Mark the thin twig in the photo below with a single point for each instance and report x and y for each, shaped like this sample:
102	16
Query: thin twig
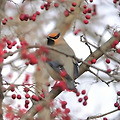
99	116
97	76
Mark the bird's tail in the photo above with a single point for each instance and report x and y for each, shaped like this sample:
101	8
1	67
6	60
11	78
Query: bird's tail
70	83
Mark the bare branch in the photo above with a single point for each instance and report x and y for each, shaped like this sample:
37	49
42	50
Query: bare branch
102	115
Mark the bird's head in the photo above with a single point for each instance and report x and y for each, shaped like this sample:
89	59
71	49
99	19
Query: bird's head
53	38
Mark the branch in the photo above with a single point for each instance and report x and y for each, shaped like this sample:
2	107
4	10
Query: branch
98	76
99	116
97	54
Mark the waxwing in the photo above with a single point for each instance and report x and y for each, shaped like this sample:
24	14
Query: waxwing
60	62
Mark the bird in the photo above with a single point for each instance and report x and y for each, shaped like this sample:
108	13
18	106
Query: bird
59	62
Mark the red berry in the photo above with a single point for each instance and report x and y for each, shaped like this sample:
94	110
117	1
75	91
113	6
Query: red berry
116	34
26	106
42	95
63	103
105	118
115	1
12	85
108	70
9	46
42	7
86	97
14	43
107	61
74	4
5	51
83	92
93	60
8	42
27	77
47	5
36	98
80	99
116	104
118	50
86	21
5	19
27	63
87	16
22	16
91	0
71	9
12	89
27	96
119	107
58	110
4	22
26	17
85	11
33	18
66	13
18	96
85	6
118	93
11	18
89	62
37	13
114	43
18	46
34	14
77	93
26	89
56	5
85	103
13	96
89	10
27	101
67	110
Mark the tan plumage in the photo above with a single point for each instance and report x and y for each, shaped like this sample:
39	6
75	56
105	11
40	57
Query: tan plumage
57	42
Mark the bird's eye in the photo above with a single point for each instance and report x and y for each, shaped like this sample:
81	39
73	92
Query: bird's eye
50	41
55	37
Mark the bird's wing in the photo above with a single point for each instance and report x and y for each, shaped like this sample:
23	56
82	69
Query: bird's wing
76	69
56	66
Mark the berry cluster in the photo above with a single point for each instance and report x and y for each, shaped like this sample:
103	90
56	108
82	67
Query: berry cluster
61	112
93	61
88	12
14	114
117	104
26	17
27	94
5	20
83	99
